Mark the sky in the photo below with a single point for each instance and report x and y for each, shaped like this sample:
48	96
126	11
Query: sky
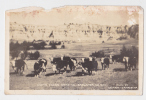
102	15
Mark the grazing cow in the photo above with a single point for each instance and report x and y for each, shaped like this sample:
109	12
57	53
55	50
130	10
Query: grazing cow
71	61
89	64
62	64
20	64
106	63
59	63
37	68
40	66
43	63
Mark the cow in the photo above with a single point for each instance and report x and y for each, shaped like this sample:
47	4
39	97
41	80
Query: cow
37	68
59	63
62	64
102	62
43	62
20	65
71	61
40	66
89	64
130	62
106	63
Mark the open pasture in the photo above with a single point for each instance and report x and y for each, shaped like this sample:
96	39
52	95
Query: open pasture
114	78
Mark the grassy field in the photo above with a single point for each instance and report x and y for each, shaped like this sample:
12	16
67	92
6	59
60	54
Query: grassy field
113	78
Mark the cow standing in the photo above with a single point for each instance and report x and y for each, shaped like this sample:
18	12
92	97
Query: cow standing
20	65
102	62
37	68
40	66
71	61
89	64
43	63
59	63
106	63
126	62
130	62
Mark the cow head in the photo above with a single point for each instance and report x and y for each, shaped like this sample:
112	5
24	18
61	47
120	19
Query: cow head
90	58
83	59
61	58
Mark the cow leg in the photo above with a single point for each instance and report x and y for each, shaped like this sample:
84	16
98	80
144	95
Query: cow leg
102	66
37	75
70	68
126	67
65	68
17	70
108	66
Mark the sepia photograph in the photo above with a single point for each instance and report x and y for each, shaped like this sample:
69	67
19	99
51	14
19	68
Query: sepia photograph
83	49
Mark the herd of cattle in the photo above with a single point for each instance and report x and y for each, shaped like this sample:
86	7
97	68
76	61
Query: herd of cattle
86	64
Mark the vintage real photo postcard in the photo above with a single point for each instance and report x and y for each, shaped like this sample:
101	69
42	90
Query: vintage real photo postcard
74	50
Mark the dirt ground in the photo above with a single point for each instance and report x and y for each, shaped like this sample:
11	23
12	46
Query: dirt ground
115	78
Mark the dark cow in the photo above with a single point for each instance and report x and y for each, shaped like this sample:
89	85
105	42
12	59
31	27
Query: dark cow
37	68
71	61
62	64
132	62
117	58
59	63
55	60
20	64
106	63
90	64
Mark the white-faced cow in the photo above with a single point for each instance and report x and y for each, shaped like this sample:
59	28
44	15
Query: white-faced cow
59	63
40	66
130	62
89	64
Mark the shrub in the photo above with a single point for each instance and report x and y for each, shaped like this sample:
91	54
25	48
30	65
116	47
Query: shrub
16	48
63	46
132	52
34	56
133	31
98	54
53	46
